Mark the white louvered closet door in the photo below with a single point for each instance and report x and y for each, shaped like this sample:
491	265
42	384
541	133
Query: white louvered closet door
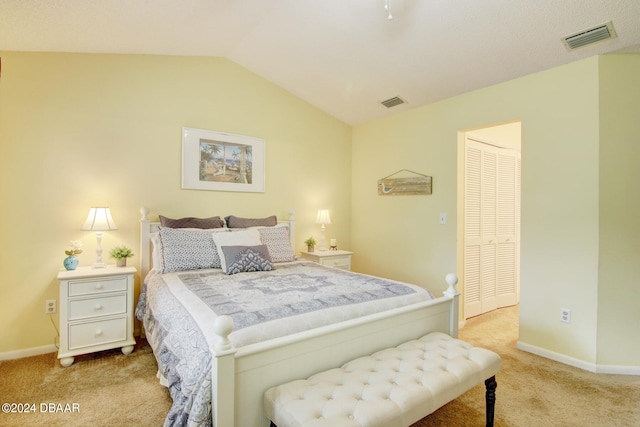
492	228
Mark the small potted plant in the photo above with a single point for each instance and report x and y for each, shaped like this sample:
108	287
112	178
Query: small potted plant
120	254
310	242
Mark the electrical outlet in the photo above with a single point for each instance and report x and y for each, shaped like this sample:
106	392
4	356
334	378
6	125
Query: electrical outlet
565	315
443	218
50	306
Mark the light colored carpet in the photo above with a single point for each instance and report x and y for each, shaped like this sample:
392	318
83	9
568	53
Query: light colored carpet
113	389
534	391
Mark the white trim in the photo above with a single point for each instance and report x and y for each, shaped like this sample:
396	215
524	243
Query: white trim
28	352
618	369
37	351
562	358
571	361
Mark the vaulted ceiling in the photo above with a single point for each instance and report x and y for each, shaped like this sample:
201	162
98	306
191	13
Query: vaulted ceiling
343	56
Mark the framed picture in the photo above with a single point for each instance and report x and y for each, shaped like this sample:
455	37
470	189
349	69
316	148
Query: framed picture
222	161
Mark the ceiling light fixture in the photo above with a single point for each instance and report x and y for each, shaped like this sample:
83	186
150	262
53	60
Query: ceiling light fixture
387	9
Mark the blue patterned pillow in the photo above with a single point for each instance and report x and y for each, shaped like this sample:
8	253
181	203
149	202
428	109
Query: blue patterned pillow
242	259
184	249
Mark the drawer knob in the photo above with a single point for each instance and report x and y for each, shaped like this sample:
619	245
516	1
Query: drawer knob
98	307
98	332
99	286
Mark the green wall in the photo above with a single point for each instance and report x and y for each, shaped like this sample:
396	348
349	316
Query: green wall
79	130
566	184
619	266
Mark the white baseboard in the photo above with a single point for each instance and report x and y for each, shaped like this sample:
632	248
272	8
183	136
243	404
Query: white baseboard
571	361
618	370
27	352
36	351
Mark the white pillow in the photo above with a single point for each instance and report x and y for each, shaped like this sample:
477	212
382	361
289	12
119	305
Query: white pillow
244	237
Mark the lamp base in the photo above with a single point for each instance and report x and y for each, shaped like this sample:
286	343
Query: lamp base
99	263
323	242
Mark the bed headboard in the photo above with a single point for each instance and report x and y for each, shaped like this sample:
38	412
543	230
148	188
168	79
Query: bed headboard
147	227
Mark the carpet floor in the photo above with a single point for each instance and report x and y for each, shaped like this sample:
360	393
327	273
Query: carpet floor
108	388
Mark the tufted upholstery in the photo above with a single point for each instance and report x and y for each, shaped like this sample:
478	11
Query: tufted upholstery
393	387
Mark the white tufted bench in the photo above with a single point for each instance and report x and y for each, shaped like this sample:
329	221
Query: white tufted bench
393	387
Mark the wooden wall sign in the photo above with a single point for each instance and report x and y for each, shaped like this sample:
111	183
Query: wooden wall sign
415	185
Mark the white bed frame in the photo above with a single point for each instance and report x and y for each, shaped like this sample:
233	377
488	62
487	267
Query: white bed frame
241	376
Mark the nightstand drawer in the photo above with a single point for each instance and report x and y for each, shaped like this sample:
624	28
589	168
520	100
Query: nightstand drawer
92	307
336	259
337	262
93	286
95	333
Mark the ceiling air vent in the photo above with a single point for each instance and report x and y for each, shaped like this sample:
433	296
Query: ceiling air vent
592	35
392	102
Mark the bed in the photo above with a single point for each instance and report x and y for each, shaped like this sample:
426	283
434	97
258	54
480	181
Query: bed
218	343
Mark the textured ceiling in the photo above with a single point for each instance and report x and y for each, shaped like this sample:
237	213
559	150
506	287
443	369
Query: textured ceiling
342	56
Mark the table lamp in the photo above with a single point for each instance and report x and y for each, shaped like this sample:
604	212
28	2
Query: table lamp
99	220
323	219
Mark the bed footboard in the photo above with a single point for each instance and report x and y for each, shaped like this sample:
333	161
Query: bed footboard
223	375
241	376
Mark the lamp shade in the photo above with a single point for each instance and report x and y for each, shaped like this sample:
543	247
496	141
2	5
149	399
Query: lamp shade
323	217
99	219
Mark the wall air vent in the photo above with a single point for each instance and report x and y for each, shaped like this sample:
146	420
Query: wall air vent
392	102
592	35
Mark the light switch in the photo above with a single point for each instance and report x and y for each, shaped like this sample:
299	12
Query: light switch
443	218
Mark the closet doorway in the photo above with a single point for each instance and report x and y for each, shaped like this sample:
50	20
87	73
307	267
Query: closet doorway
491	164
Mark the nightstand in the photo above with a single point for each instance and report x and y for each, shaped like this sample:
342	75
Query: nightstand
337	259
96	311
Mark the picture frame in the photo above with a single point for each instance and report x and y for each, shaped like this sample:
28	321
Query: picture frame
222	161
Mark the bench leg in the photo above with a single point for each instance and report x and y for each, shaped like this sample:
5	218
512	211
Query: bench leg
491	385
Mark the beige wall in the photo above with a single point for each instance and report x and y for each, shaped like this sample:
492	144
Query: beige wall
561	201
619	271
79	130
